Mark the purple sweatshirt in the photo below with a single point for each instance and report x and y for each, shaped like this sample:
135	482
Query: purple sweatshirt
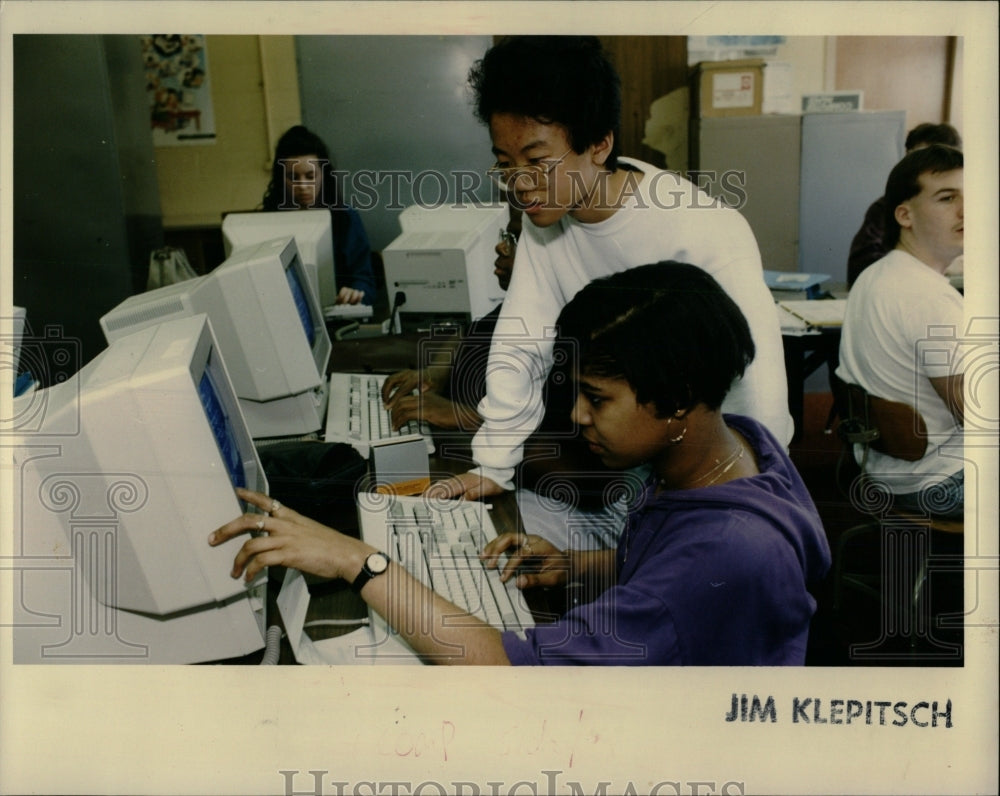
715	576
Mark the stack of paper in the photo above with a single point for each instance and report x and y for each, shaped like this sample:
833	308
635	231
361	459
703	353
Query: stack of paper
822	313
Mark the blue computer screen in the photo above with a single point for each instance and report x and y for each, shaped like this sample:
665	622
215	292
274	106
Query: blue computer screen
301	303
224	438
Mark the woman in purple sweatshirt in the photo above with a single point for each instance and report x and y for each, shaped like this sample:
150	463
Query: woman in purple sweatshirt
721	545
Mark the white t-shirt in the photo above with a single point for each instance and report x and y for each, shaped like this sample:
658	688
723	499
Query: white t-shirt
667	218
903	326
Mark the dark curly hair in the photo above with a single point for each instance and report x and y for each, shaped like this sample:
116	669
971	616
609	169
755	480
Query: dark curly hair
668	329
566	80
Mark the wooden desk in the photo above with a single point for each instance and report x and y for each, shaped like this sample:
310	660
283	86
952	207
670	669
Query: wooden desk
385	354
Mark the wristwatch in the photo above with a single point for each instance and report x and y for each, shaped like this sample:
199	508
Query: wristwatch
375	564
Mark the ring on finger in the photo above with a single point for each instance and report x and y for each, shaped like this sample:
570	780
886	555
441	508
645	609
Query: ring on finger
260	525
275	505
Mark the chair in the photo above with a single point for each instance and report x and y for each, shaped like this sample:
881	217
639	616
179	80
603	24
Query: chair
895	429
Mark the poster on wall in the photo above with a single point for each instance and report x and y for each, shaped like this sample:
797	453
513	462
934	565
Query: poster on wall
178	88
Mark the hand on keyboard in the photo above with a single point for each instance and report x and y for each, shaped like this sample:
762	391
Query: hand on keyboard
535	561
428	407
350	295
347	312
404	382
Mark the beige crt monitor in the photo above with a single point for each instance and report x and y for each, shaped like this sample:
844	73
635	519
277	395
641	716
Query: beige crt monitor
121	472
313	234
270	330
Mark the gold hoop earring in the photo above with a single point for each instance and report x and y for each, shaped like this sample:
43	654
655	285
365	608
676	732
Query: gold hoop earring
676	440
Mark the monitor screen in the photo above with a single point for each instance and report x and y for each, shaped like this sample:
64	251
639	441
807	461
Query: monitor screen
294	278
145	445
222	429
270	330
312	230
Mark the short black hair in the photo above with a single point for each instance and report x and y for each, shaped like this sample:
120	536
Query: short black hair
668	329
928	133
566	80
904	181
295	142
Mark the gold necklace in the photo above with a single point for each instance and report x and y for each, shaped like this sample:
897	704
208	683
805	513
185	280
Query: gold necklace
719	469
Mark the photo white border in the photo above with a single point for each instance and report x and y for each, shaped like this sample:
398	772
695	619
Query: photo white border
222	730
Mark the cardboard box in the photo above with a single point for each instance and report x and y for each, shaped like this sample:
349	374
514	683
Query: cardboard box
727	88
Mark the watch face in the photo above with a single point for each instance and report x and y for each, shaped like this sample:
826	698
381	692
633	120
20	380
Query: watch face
377	563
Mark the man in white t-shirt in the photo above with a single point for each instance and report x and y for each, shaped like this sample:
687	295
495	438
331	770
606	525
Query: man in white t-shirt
902	334
552	104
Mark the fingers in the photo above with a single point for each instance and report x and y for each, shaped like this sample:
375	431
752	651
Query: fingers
258	499
348	295
517	546
404	409
252	557
399	384
545	577
250	522
243	524
490	555
391	384
496	546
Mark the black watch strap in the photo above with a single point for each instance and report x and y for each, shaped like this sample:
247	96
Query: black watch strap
375	564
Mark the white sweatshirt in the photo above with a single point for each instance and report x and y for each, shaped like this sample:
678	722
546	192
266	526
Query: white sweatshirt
667	218
904	326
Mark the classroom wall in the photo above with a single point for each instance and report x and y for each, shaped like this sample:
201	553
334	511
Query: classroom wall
924	74
398	106
399	103
86	201
808	57
255	98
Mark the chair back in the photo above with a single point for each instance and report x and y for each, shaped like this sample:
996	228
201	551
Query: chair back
890	427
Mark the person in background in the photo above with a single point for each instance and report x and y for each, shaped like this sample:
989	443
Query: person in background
902	333
553	106
719	552
303	177
868	245
448	394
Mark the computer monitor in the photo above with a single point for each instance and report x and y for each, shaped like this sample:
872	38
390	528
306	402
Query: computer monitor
443	262
270	330
121	472
313	235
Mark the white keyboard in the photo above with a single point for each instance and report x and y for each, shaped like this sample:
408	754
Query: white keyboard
351	312
356	415
438	542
